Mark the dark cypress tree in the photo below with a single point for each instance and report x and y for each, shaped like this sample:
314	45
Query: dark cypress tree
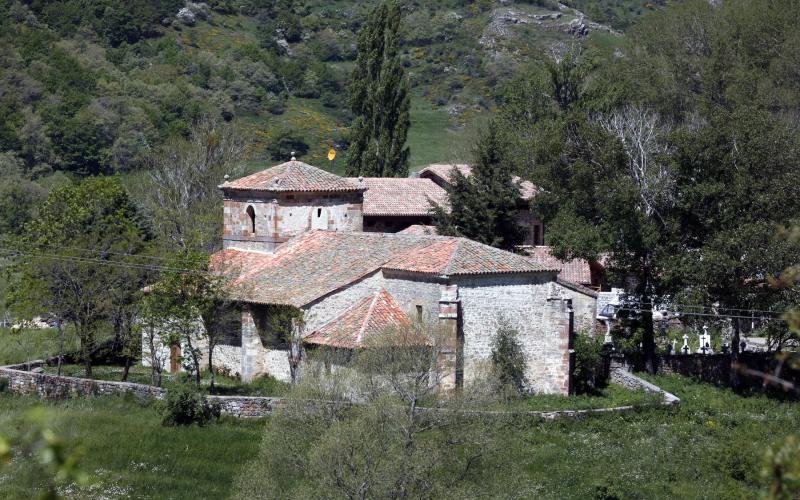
379	99
483	205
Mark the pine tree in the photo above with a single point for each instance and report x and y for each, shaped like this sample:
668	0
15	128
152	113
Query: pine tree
379	98
483	205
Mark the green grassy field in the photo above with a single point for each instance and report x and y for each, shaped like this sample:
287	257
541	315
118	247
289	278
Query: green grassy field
712	446
128	453
32	344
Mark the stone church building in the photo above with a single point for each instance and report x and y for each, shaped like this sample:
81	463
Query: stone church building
332	247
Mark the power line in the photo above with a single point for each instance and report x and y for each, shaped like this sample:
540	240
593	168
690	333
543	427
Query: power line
727	308
138	256
754	312
692	313
87	260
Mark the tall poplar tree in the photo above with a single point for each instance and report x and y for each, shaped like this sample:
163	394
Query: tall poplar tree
379	98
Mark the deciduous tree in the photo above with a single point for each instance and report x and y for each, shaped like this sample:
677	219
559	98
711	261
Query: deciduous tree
79	256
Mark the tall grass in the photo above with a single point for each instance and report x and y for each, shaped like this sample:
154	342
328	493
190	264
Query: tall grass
128	454
26	345
711	446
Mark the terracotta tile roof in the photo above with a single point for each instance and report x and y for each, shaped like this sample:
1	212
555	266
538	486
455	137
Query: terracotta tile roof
375	314
293	176
444	170
575	270
317	263
400	196
420	230
578	288
527	189
459	256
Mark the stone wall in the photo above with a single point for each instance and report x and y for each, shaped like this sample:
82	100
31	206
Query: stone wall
245	407
228	358
534	304
393	224
21	381
51	386
529	306
533	228
584	305
718	369
281	216
257	360
409	290
620	375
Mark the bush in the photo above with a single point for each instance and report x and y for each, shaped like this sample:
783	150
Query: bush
508	361
185	405
4	383
782	468
282	145
590	373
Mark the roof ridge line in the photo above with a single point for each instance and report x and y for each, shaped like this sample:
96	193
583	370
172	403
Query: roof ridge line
368	315
449	269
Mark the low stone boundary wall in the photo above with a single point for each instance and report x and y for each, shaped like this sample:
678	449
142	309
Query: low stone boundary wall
623	377
756	371
22	381
246	406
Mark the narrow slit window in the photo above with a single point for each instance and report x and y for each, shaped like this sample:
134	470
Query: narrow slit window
319	212
251	214
419	312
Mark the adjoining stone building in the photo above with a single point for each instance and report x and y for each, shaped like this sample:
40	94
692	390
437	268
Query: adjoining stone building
533	227
294	238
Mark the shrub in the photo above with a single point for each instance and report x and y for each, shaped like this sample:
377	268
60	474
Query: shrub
508	361
4	383
282	145
185	405
590	373
782	468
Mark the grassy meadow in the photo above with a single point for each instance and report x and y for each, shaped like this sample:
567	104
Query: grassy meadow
711	446
33	344
128	454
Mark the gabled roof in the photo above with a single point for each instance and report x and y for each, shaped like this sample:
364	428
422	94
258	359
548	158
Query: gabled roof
443	171
400	196
293	176
420	230
317	263
373	315
449	256
576	270
527	190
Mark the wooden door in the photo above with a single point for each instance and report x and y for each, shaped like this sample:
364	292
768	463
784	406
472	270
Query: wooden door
174	358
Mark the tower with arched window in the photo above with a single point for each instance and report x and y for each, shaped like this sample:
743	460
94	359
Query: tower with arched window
269	207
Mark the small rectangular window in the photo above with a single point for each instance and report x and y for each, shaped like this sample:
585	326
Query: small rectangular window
419	312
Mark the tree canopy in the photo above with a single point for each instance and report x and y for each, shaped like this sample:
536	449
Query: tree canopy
379	99
483	205
74	260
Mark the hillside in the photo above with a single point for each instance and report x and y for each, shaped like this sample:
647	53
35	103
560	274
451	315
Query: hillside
91	87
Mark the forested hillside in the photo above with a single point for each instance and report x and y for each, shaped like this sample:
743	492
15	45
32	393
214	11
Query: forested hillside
92	86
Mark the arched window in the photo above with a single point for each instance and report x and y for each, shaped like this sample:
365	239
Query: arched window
251	214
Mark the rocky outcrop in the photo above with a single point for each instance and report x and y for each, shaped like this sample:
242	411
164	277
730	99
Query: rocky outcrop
190	13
